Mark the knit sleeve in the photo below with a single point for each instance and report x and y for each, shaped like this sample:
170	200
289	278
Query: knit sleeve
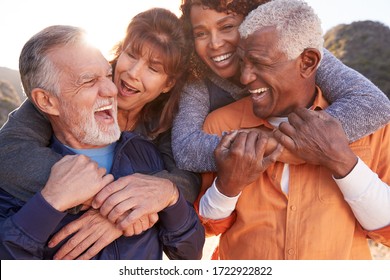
188	182
25	159
355	101
193	149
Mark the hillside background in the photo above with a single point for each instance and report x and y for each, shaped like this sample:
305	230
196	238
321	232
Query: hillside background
363	46
11	93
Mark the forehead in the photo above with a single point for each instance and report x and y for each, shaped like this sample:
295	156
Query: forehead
79	59
202	15
263	40
147	49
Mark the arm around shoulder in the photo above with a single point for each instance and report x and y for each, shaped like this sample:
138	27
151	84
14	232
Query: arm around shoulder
188	182
192	147
356	102
23	144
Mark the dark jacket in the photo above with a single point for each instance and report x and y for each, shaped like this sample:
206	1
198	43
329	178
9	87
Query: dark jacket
25	228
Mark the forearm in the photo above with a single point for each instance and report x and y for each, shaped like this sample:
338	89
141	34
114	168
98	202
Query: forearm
355	101
181	232
188	182
367	195
193	148
24	234
25	159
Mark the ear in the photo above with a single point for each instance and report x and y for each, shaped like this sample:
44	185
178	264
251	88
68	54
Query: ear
310	59
45	101
170	84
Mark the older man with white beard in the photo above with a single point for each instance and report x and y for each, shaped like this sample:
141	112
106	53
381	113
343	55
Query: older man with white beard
71	83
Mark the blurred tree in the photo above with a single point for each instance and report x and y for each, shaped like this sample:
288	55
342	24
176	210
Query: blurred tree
365	47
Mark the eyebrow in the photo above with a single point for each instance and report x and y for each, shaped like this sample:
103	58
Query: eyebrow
225	19
156	62
91	75
222	20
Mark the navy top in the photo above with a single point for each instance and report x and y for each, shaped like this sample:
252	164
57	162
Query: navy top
25	228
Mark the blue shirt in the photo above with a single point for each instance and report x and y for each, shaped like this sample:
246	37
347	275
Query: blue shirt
103	156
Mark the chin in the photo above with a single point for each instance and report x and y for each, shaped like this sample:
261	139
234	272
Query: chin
261	113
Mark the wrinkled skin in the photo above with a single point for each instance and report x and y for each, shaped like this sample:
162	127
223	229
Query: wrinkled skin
319	139
240	160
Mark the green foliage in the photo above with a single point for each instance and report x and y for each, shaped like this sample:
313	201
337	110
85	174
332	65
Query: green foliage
363	46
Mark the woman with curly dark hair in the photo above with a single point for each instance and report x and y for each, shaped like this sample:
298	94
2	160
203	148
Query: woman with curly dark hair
212	27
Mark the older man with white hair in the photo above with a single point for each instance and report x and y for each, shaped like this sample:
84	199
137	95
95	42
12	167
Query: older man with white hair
323	208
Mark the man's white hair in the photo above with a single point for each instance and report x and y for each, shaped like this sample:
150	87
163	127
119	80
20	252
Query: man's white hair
297	24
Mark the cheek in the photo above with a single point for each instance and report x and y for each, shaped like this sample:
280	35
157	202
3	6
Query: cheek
235	39
153	87
153	92
120	64
117	75
123	64
200	49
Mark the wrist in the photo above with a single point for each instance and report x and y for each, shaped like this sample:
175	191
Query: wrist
343	168
53	200
174	195
224	188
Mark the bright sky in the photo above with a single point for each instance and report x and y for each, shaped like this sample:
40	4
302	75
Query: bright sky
106	20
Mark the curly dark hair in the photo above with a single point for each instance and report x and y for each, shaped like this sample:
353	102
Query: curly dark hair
242	7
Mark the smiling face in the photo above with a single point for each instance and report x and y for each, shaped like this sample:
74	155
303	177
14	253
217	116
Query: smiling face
140	77
275	82
86	109
216	38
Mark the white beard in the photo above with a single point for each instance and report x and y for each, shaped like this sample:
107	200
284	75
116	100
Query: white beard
83	125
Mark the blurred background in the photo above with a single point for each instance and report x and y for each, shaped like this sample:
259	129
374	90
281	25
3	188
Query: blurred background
355	31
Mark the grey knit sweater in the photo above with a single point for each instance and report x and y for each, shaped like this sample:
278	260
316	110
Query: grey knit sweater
359	105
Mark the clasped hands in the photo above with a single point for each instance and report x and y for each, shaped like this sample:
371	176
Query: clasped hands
127	206
309	136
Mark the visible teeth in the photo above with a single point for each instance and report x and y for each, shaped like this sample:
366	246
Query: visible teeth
222	57
108	107
129	87
258	90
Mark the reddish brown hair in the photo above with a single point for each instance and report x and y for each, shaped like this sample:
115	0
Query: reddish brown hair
161	31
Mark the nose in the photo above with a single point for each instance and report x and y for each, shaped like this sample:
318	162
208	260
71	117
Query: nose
108	88
134	70
247	75
216	40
